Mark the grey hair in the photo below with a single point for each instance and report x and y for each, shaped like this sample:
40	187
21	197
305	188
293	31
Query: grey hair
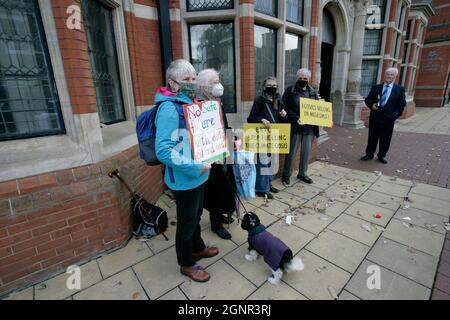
178	69
204	78
392	70
304	71
269	78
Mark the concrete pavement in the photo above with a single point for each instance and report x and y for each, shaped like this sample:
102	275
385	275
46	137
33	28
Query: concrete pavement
334	230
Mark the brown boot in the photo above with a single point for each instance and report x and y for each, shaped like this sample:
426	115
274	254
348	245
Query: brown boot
208	252
196	273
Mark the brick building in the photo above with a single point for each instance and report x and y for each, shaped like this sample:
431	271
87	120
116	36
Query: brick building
433	88
74	74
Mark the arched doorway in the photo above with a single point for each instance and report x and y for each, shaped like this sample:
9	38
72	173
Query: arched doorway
326	54
334	51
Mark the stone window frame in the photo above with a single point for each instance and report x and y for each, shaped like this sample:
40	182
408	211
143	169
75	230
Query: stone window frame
86	140
384	27
283	26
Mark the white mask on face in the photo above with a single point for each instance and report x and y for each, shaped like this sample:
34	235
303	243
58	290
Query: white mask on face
217	90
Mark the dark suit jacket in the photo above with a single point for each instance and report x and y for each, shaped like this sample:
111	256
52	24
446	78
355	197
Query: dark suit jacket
394	106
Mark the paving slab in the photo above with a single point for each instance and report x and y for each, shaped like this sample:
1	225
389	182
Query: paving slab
27	294
367	212
321	182
304	191
134	252
279	292
312	221
327	205
275	208
122	286
410	263
56	288
338	249
397	181
225	284
392	286
160	273
256	272
345	295
419	238
381	199
365	176
422	219
355	185
355	228
429	204
432	191
330	174
315	285
175	294
289	199
391	189
341	194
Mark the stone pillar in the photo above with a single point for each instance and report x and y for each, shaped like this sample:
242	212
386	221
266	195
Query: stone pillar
354	102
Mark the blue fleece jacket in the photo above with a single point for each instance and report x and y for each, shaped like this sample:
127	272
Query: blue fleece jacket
173	146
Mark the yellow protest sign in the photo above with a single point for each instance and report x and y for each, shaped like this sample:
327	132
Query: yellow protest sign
315	112
258	139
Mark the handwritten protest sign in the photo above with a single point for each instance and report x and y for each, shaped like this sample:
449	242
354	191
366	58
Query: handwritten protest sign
206	129
258	139
315	112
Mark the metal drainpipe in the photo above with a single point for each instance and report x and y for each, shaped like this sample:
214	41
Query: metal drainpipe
165	34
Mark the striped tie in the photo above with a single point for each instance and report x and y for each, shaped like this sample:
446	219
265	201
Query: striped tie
384	96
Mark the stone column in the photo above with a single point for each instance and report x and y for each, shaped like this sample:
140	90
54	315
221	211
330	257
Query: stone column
354	102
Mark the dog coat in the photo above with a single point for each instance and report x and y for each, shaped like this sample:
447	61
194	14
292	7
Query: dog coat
269	246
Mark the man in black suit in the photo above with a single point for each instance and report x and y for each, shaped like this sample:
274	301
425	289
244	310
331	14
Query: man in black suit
386	102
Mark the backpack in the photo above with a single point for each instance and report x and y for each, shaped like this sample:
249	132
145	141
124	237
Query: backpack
146	133
146	215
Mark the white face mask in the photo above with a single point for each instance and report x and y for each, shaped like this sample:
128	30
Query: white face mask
217	90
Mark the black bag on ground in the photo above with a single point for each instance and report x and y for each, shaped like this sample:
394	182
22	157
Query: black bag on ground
146	215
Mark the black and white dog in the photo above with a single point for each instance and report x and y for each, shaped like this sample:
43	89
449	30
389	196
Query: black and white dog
276	254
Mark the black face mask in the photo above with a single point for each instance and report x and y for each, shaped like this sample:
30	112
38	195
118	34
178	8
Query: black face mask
302	83
270	91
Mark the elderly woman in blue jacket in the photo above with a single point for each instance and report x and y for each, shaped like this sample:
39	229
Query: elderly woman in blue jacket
183	175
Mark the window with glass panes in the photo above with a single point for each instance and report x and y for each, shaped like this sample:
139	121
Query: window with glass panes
269	7
200	5
378	8
265	55
98	22
293	58
372	41
369	75
294	11
29	104
212	46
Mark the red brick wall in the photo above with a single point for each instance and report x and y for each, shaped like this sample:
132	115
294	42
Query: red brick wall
313	41
434	61
145	57
57	219
177	42
246	44
75	56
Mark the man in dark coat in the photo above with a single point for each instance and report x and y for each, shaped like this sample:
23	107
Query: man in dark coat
386	102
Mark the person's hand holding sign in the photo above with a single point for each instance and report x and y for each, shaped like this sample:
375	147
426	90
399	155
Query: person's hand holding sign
283	113
206	167
299	121
266	123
